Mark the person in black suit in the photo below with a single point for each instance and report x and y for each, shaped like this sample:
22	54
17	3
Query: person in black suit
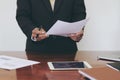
31	14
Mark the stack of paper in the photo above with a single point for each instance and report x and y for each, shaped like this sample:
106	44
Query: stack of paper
109	58
62	28
7	62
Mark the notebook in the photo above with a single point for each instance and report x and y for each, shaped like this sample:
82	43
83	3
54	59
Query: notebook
115	65
101	73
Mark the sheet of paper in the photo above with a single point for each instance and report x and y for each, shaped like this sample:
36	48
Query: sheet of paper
62	28
109	58
8	62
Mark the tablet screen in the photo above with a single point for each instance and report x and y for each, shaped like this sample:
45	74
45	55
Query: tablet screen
68	64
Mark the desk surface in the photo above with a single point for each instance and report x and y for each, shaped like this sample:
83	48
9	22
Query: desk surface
42	72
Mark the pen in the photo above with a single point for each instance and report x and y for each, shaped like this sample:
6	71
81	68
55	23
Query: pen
37	35
40	29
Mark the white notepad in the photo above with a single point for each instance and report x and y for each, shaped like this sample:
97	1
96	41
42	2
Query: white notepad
10	63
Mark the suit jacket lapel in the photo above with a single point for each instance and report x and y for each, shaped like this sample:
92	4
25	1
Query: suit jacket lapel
57	5
47	4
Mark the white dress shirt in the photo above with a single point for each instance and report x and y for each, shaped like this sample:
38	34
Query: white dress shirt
52	2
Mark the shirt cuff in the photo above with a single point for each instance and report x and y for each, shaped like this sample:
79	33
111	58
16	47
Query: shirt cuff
33	39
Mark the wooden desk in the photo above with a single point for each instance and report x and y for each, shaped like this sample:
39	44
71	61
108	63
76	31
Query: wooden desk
39	71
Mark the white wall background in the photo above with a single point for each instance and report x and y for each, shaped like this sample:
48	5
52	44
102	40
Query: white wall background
102	32
103	29
11	37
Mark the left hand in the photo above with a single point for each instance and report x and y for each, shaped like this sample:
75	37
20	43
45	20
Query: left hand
77	36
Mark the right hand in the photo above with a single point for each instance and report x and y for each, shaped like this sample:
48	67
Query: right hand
39	34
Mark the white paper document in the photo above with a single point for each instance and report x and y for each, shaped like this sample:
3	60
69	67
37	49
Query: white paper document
62	28
10	63
109	58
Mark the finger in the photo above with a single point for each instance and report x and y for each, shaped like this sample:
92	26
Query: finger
41	37
72	35
73	38
80	33
76	38
41	32
35	31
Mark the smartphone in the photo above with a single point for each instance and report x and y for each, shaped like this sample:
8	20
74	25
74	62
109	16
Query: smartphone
68	65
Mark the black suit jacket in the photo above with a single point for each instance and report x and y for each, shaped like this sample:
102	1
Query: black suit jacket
34	13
